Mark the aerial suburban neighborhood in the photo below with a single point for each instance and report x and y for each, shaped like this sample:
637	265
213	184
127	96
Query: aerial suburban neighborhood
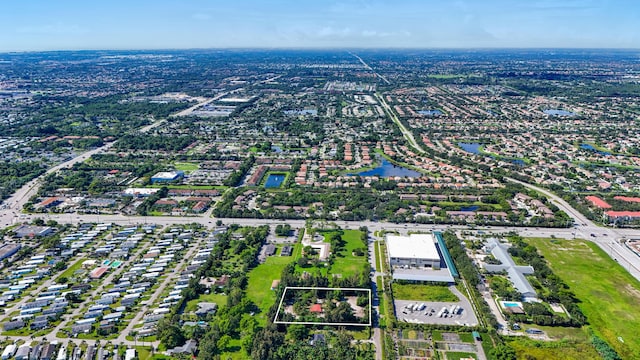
289	204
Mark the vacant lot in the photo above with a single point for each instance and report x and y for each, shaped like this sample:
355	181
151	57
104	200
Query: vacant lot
553	350
260	279
609	295
345	263
418	292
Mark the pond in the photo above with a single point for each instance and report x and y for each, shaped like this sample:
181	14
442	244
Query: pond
430	112
558	112
274	181
470	208
473	148
387	169
591	148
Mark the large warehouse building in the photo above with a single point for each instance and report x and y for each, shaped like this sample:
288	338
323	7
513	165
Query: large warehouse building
415	250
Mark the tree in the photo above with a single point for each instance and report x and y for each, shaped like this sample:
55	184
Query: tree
503	352
224	341
298	332
171	335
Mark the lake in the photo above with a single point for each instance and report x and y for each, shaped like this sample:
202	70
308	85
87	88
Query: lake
274	181
387	169
473	148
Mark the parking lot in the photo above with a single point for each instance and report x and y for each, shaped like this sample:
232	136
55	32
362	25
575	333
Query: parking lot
464	315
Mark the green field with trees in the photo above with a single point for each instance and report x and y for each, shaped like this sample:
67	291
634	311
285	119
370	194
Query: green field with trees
608	295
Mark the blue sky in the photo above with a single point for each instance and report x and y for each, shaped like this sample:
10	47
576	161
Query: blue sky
27	25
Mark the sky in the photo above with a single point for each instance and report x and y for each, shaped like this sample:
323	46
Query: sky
35	25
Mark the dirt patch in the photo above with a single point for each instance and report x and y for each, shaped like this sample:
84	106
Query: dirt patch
357	310
632	291
450	337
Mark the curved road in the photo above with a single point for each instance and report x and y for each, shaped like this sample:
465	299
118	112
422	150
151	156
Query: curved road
608	239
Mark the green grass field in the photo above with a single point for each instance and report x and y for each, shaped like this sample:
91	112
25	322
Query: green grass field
455	355
609	295
192	305
345	262
436	335
552	350
68	272
422	292
186	167
466	337
260	279
383	257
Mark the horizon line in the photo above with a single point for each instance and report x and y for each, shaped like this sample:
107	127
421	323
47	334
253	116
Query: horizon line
341	48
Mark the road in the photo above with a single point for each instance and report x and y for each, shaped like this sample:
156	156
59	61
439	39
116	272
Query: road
371	69
608	239
408	135
141	312
14	205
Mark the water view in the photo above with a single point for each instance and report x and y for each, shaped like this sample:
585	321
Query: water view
470	208
387	169
430	112
473	148
274	181
558	112
591	148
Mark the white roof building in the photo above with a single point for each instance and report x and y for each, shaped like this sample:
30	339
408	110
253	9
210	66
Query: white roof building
415	250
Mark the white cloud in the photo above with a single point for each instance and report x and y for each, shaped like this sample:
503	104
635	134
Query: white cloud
331	32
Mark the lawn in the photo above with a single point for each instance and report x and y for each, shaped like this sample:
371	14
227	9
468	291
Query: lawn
436	335
234	351
144	353
186	167
260	279
345	263
466	337
192	305
561	333
609	295
423	292
454	355
383	257
68	273
377	252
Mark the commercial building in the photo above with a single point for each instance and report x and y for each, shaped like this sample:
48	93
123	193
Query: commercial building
7	250
515	272
33	231
415	250
420	257
167	176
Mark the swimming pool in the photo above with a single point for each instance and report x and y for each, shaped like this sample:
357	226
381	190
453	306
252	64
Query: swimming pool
511	304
